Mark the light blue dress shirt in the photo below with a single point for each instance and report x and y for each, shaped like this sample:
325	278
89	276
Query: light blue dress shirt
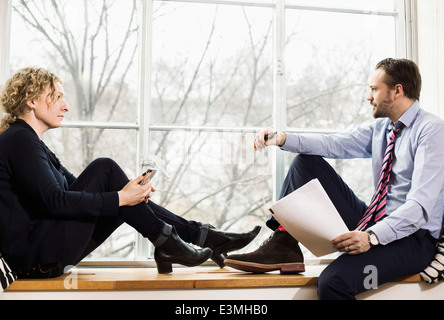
416	190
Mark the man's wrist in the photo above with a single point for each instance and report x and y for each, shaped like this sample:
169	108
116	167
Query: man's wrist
372	238
282	139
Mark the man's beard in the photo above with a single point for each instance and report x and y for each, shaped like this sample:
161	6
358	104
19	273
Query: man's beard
383	110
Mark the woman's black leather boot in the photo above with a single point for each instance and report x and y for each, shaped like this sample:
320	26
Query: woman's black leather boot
170	248
223	242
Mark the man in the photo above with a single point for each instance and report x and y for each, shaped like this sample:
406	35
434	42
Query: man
396	233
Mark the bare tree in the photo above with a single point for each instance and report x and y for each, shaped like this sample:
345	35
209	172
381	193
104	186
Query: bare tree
224	94
235	88
97	62
212	89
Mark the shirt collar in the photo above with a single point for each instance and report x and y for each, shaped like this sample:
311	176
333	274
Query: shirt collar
408	117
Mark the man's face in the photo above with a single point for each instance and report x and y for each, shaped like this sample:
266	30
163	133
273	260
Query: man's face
381	96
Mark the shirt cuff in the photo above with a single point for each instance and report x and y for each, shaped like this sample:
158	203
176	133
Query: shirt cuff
384	233
291	142
110	203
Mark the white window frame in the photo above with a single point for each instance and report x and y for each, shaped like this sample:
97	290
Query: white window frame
430	43
407	46
5	22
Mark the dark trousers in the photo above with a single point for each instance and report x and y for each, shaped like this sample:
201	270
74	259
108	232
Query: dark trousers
83	236
350	275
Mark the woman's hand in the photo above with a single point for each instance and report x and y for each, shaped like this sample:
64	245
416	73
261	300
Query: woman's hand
133	193
355	242
275	140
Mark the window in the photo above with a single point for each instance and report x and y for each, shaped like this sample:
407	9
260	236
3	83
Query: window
330	53
188	84
93	47
328	68
430	51
211	90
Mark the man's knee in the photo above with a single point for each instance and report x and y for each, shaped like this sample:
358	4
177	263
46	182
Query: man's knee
333	286
305	160
304	163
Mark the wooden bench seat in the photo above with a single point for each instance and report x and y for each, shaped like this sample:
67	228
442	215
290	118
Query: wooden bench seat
205	282
149	279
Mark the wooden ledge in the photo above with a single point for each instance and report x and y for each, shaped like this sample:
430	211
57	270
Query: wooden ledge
127	278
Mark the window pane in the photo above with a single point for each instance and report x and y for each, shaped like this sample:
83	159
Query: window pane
119	145
91	45
328	65
383	5
70	147
212	65
214	177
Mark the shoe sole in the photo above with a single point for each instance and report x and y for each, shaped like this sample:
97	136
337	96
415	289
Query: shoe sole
284	268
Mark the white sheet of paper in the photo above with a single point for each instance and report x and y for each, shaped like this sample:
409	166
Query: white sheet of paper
310	217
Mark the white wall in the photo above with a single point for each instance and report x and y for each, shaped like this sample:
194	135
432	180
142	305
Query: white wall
431	54
4	40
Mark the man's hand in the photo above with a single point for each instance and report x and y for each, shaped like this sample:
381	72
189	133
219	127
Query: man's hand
355	242
260	143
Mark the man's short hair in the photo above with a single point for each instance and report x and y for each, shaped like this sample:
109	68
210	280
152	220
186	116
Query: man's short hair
404	72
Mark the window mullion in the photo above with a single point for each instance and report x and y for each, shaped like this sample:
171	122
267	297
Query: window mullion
411	32
279	94
142	246
402	28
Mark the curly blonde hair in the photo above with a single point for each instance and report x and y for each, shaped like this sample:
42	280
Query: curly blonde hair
25	85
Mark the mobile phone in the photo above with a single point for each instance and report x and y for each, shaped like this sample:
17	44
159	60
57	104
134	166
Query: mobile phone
270	136
149	175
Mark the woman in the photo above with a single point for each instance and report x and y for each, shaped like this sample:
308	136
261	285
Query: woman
50	219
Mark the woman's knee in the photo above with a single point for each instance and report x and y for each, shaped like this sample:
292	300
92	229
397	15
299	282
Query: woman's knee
115	174
104	163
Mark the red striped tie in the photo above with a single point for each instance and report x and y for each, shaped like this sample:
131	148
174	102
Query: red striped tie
376	209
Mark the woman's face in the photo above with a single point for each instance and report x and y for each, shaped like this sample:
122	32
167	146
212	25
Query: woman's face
48	112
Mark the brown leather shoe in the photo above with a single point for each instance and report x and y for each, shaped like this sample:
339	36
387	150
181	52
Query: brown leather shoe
279	252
